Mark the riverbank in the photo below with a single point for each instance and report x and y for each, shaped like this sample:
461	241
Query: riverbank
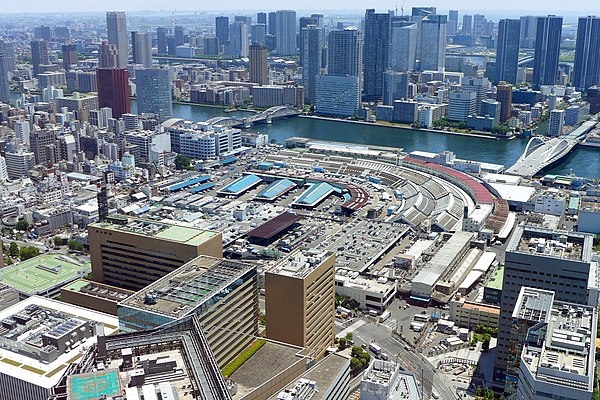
410	128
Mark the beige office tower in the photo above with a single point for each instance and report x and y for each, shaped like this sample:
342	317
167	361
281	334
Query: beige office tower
300	300
131	253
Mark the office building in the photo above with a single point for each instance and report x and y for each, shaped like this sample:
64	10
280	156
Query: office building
467	25
418	13
337	95
108	55
507	50
258	33
116	24
300	300
261	18
404	35
179	36
42	143
586	72
593	97
259	64
504	96
557	122
39	55
547	51
69	55
479	25
376	53
433	43
94	295
154	92
39	338
312	51
161	40
223	294
3	178
452	22
18	164
4	75
210	46
131	253
345	53
141	47
461	104
395	86
479	86
385	380
272	24
113	90
222	29
542	258
239	41
285	35
528	32
303	23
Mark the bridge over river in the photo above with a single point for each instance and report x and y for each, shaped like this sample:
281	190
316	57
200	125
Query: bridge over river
266	116
542	152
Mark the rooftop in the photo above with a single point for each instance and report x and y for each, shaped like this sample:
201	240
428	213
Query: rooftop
533	304
273	227
159	230
496	279
40	274
551	243
385	377
300	263
33	328
96	289
188	287
589	206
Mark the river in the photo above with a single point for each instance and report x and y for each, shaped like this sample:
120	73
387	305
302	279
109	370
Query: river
583	161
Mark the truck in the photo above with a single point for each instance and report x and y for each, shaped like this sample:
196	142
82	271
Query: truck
383	317
375	349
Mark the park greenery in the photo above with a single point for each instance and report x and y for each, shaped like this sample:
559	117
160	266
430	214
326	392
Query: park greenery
243	357
360	359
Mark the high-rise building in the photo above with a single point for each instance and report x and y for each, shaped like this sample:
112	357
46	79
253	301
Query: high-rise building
536	257
467	25
404	37
395	86
300	300
258	32
285	35
556	123
312	51
479	86
179	37
116	23
337	95
345	52
43	144
131	253
261	18
19	163
452	22
113	90
479	25
161	40
433	42
239	40
528	32
303	23
587	56
461	105
222	29
259	65
593	97
108	55
154	92
418	13
376	53
211	46
504	96
4	80
8	49
507	53
547	51
141	46
39	55
272	23
69	55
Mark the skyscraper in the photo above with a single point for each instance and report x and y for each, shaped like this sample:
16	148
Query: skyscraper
547	51
303	23
418	13
154	92
113	90
179	39
39	55
285	36
479	25
116	24
528	32
141	45
161	40
467	25
107	55
395	86
258	32
452	22
404	45
222	29
261	18
69	55
345	52
272	24
433	43
312	47
504	97
259	66
507	53
4	82
376	53
239	40
587	53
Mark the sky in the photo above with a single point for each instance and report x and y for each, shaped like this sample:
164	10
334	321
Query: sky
581	7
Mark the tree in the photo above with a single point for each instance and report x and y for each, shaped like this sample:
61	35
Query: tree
485	343
28	252
74	245
355	365
342	343
22	225
13	249
349	336
182	162
57	240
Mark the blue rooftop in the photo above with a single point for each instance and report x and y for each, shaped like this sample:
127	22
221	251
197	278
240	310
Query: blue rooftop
190	182
228	161
202	187
275	189
242	184
316	193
